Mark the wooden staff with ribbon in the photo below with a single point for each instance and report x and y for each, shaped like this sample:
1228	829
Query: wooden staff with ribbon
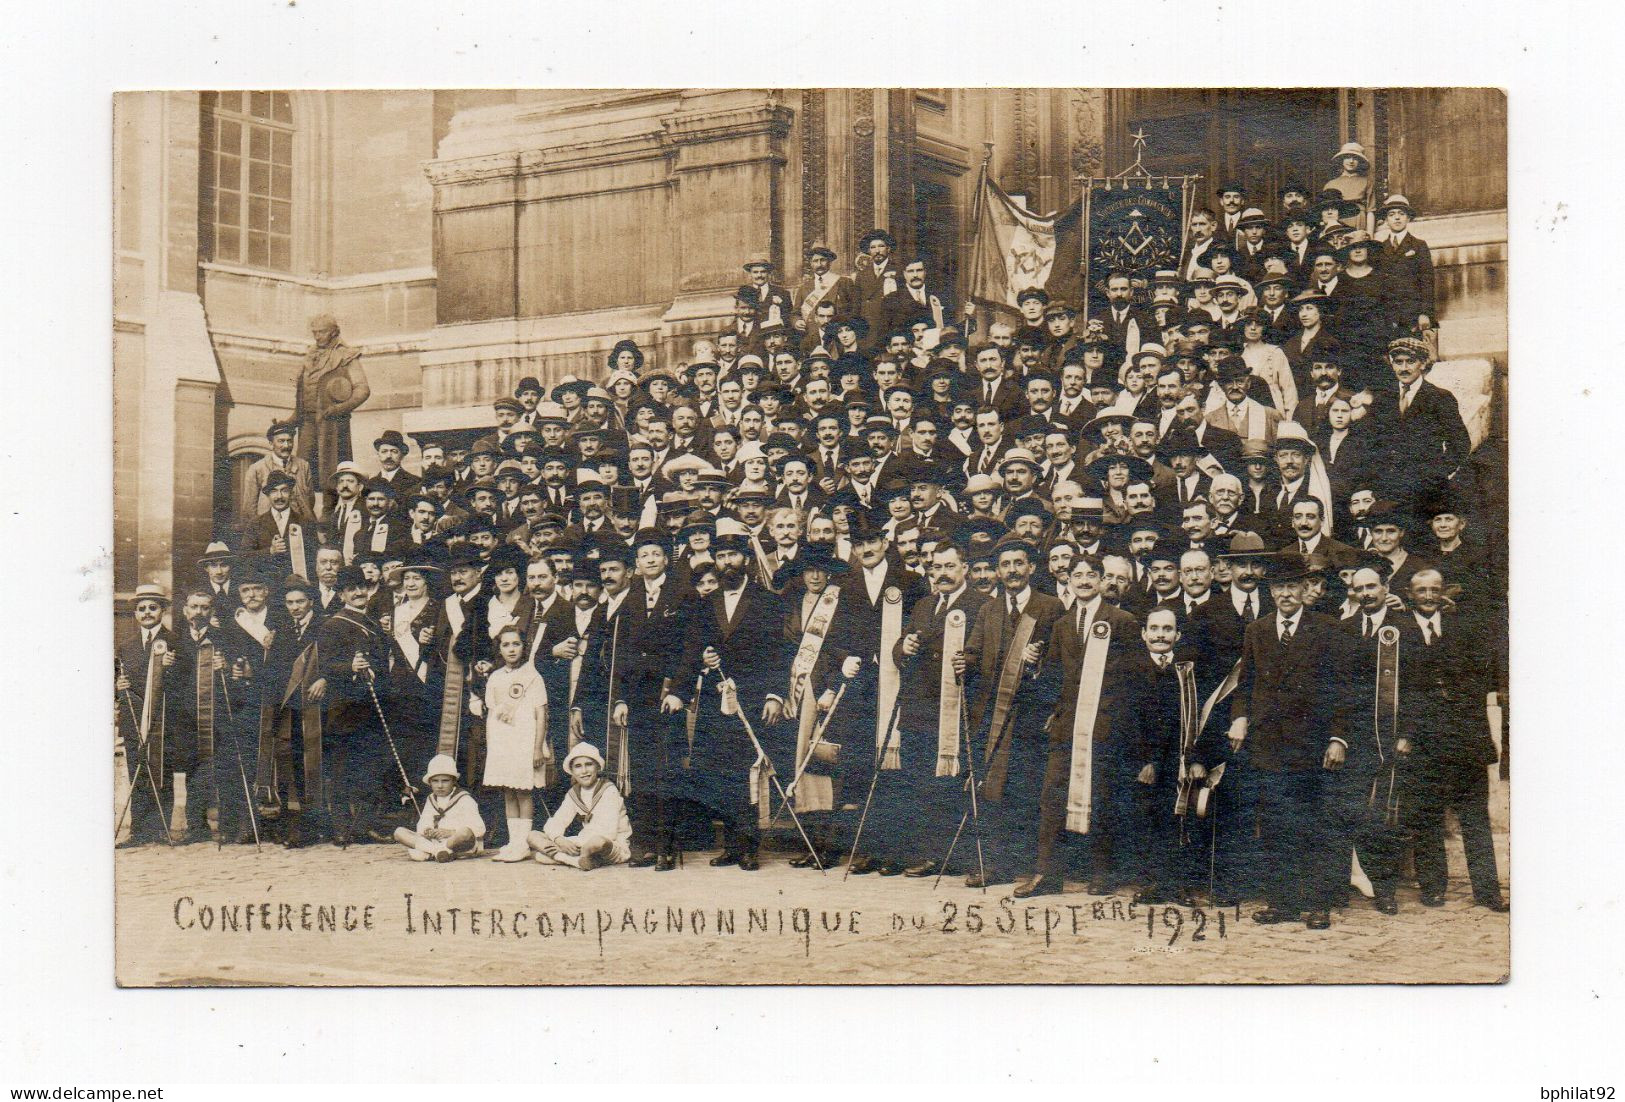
143	759
730	706
236	749
617	759
973	812
205	735
951	698
1385	718
997	757
874	777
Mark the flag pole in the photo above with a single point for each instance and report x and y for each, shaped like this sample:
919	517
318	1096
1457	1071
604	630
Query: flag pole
972	282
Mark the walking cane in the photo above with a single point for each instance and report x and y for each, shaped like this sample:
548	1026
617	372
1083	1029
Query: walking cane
144	761
973	813
730	691
411	792
880	753
812	744
242	773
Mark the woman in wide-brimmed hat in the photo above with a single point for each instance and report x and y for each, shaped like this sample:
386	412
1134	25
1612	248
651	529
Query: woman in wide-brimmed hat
1353	180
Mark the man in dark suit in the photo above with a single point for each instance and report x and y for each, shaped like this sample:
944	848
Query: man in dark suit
384	530
132	660
1426	441
1198	243
1407	265
654	627
733	634
1451	750
1111	794
1370	818
875	569
1126	326
876	275
914	302
1013	757
268	535
355	752
773	304
925	805
1290	712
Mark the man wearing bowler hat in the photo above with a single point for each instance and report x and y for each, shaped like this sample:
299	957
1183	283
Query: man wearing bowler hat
822	286
391	449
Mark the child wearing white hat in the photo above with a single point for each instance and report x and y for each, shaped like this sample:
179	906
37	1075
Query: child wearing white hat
450	825
590	828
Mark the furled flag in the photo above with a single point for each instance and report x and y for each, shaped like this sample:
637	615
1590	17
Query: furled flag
1017	249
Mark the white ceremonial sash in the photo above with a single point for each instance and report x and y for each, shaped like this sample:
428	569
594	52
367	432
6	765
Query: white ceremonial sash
951	696
1080	788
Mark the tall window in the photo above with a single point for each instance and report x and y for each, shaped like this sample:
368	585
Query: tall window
245	197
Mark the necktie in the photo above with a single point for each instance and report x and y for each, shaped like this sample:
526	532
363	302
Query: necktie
987	394
942	605
1404	401
1286	632
1365	629
1252	607
1014	611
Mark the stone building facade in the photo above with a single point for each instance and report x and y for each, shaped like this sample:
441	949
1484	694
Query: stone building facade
464	239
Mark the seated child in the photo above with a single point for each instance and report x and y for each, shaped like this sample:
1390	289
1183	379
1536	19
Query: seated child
450	825
590	828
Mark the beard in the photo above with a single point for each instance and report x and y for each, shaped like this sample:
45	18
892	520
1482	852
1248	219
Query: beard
731	576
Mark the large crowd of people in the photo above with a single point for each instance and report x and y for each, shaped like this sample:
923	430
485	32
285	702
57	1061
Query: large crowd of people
1189	590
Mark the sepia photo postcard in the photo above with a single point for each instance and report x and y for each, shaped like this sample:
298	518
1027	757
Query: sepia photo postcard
797	536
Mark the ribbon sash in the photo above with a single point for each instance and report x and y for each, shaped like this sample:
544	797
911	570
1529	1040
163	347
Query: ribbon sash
1080	786
998	741
815	791
1188	730
951	696
891	630
297	563
152	712
205	720
617	762
1385	708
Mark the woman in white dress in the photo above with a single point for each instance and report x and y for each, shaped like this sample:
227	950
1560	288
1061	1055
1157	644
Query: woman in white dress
517	755
1269	363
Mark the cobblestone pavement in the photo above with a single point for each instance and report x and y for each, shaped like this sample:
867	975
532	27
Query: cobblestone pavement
198	915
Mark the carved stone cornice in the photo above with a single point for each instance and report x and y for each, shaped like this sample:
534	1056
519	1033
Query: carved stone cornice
770	119
472	170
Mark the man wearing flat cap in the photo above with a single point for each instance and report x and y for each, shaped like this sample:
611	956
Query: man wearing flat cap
281	436
507	412
876	274
1426	441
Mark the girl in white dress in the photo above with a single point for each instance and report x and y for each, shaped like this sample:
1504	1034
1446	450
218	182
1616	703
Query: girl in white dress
517	755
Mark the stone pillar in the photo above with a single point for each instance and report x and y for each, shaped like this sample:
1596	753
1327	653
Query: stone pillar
727	164
165	373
